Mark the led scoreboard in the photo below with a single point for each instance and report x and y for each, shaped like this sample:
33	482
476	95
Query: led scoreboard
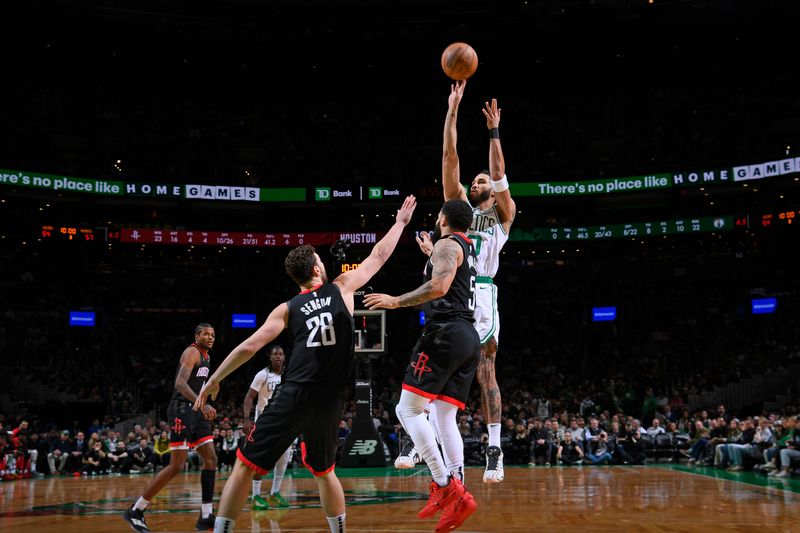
68	233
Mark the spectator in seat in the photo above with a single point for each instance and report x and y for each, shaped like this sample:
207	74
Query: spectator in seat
788	454
95	461
58	456
656	428
131	442
685	422
587	407
558	432
540	446
718	435
509	429
119	460
79	447
621	440
665	415
734	436
577	432
229	446
746	444
634	447
722	413
599	451
591	434
519	445
143	458
161	449
543	408
569	453
111	441
771	454
697	445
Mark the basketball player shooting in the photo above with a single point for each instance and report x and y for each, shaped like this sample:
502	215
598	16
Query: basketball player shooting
493	213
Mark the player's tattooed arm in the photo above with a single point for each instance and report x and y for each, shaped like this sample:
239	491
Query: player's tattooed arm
447	256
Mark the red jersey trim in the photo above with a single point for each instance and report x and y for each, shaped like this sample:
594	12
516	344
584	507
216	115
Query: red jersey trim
420	392
463	236
312	289
249	464
200	441
314	472
450	400
204	353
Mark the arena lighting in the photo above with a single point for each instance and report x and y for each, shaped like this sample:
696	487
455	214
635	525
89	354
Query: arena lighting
763	306
81	319
604	314
243	321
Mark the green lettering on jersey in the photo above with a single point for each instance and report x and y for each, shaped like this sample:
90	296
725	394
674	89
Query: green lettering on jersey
477	240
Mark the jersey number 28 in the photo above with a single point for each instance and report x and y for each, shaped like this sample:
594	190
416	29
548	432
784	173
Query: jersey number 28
322	324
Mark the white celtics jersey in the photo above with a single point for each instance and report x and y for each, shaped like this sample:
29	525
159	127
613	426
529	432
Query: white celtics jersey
489	237
265	383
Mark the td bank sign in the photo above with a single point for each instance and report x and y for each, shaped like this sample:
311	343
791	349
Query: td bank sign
378	193
326	194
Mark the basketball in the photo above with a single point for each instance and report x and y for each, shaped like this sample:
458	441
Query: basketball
459	61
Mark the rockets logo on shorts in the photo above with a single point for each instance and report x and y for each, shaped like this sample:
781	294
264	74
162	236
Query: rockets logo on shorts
420	367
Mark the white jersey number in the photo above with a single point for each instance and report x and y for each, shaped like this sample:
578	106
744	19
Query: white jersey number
324	325
471	303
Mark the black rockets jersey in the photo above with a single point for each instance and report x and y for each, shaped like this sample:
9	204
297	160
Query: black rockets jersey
199	374
321	328
459	302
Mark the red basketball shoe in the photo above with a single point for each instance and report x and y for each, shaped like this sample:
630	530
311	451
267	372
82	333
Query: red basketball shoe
441	497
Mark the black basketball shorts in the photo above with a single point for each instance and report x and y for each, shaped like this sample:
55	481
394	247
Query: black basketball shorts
444	361
311	411
187	427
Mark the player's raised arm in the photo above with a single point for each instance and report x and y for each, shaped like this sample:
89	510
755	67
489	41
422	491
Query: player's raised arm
451	174
355	279
272	327
505	205
447	256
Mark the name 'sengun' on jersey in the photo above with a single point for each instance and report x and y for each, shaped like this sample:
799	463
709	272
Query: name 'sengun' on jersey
489	237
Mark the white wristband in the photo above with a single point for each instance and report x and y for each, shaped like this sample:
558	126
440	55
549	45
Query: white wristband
500	185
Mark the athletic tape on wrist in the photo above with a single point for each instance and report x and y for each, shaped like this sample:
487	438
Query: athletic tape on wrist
500	185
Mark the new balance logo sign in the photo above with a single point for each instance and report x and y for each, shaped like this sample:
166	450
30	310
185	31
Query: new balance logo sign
363	447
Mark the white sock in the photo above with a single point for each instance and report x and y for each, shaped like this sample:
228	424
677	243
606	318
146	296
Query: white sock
223	525
206	509
256	487
280	470
336	523
141	504
411	413
494	435
444	420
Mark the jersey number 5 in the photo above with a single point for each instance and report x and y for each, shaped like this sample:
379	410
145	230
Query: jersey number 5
471	303
322	324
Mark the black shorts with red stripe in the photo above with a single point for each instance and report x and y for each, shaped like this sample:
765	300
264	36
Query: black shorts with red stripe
187	428
311	411
444	361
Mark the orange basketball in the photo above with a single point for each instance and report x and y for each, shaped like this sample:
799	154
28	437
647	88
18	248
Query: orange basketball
459	61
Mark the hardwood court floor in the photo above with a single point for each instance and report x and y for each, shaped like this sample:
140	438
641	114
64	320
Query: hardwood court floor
643	499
